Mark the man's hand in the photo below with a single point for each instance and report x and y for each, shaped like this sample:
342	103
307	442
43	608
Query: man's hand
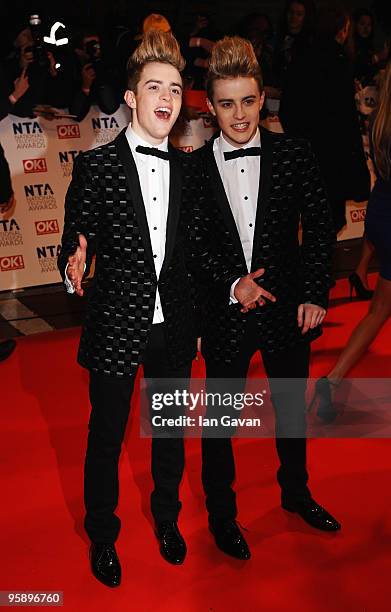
21	85
76	265
88	76
309	316
249	294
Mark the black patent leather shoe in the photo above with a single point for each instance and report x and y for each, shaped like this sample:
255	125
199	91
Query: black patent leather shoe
230	539
362	292
326	411
6	348
313	514
105	564
172	545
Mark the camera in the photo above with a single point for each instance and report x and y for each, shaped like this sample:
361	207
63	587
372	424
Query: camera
38	49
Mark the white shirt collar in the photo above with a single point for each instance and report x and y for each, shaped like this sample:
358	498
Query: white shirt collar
223	145
134	140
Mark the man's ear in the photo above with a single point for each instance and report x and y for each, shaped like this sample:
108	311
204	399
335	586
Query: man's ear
130	98
210	106
262	100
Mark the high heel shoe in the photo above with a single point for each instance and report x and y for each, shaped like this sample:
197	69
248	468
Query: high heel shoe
362	292
326	409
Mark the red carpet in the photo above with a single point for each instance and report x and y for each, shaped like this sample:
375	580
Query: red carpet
44	420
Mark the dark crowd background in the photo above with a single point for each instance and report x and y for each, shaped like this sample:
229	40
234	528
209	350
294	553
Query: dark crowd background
321	63
91	69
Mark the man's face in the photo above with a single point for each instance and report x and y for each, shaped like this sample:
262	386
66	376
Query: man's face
295	17
236	104
364	26
88	41
157	101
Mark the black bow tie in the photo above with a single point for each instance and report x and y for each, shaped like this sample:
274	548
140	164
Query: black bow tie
153	151
251	151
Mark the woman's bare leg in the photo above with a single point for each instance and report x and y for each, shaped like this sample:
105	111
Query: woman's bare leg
365	259
365	332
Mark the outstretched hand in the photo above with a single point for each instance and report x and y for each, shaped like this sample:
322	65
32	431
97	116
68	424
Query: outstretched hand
249	294
76	265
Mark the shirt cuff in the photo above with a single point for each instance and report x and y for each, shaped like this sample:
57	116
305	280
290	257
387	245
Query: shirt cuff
232	298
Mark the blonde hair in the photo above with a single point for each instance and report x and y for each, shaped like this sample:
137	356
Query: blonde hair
154	21
155	46
381	133
232	57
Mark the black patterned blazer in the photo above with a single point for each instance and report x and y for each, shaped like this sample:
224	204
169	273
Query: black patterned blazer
104	202
290	190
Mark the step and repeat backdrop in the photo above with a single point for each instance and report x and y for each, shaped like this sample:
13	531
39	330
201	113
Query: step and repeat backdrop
40	154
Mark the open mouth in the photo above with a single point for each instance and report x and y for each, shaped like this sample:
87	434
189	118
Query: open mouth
240	127
163	112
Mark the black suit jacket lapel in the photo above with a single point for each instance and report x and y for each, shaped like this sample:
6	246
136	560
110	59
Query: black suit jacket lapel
221	196
130	168
265	178
174	202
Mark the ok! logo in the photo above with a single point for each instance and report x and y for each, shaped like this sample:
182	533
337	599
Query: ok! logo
34	165
68	131
11	262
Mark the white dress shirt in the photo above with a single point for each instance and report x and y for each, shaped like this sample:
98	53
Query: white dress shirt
240	178
154	177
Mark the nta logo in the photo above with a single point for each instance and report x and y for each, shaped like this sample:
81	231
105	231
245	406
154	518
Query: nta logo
40	189
34	165
49	250
11	262
99	123
66	157
27	127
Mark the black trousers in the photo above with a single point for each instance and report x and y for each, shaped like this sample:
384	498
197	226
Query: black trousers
218	467
110	404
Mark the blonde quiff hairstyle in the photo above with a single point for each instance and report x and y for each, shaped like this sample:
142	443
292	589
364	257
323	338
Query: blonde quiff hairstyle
155	46
232	57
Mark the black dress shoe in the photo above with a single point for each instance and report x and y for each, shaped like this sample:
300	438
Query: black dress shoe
105	564
313	514
230	539
6	348
172	545
326	411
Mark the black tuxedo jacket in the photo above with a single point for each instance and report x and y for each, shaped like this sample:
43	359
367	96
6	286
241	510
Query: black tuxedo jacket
290	190
104	202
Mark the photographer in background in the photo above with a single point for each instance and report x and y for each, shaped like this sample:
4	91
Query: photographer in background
94	80
199	45
32	74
